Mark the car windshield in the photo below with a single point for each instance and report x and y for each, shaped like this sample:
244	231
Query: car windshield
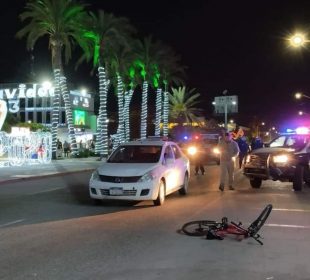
136	154
296	142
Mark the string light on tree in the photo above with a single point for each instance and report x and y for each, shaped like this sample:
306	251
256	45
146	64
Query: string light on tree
66	98
55	112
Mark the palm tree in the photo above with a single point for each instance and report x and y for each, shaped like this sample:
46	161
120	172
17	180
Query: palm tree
183	102
60	21
121	60
173	73
149	52
167	71
104	32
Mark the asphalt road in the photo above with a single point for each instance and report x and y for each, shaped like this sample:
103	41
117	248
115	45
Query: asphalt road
49	229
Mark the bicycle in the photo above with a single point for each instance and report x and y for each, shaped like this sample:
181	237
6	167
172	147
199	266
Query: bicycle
218	230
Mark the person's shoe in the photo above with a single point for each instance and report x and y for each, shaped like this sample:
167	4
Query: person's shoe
221	188
231	188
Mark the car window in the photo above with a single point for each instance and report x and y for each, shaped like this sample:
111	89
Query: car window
136	154
297	142
278	142
177	152
169	153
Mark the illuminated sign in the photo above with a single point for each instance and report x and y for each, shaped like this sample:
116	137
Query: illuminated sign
22	91
79	117
3	112
81	100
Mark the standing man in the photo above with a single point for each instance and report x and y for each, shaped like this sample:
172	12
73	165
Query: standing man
199	156
243	149
229	151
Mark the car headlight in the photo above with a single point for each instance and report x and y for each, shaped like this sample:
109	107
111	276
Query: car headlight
147	177
192	150
95	175
281	158
248	159
216	151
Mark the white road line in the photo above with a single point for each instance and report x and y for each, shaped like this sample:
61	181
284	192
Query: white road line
11	223
45	191
290	210
286	226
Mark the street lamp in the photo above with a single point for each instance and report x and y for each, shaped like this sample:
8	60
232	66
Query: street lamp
298	40
299	95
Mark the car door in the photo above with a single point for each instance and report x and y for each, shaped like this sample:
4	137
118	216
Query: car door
171	174
180	164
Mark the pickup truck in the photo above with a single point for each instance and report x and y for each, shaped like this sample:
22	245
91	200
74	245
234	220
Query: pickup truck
286	158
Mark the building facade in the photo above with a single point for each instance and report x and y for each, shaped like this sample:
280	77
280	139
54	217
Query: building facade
33	103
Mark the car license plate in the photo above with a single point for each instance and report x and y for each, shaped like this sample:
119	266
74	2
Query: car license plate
116	191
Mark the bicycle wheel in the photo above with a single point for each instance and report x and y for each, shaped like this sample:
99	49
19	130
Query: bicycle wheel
199	228
259	222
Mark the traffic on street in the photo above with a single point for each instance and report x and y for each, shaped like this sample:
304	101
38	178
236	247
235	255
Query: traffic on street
51	229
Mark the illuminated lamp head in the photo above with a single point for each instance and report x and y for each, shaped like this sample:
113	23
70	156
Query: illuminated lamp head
302	130
185	137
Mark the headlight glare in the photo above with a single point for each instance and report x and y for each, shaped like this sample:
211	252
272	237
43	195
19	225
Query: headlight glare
216	151
280	159
192	150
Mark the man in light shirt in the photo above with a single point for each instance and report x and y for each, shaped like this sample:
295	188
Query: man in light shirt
229	150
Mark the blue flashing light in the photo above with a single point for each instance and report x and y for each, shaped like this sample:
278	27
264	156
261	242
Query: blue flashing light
185	137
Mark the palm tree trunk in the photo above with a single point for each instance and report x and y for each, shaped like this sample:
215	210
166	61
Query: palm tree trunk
55	111
143	128
165	113
102	128
120	96
66	98
128	97
158	111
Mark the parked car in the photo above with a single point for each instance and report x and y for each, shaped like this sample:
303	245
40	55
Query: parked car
147	169
286	158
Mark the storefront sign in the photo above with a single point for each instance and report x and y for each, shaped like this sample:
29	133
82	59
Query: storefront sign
12	95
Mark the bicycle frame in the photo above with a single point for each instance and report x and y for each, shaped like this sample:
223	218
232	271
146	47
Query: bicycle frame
232	229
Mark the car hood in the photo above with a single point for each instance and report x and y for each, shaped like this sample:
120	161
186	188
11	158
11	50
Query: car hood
271	150
125	169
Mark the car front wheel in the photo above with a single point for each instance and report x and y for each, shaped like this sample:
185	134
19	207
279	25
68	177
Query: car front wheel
161	194
184	189
256	183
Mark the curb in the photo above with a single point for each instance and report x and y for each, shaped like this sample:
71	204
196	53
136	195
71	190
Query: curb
35	177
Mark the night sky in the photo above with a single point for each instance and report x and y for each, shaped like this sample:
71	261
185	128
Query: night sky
235	45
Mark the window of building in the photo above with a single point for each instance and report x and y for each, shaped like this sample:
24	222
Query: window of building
39	117
48	117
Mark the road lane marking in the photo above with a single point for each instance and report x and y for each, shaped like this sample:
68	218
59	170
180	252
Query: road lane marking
11	223
290	210
287	226
46	191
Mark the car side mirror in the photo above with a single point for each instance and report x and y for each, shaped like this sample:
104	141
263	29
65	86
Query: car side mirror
266	145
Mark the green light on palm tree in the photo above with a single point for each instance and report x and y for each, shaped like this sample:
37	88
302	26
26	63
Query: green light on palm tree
140	64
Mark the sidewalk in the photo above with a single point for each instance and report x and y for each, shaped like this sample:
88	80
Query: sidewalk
58	166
